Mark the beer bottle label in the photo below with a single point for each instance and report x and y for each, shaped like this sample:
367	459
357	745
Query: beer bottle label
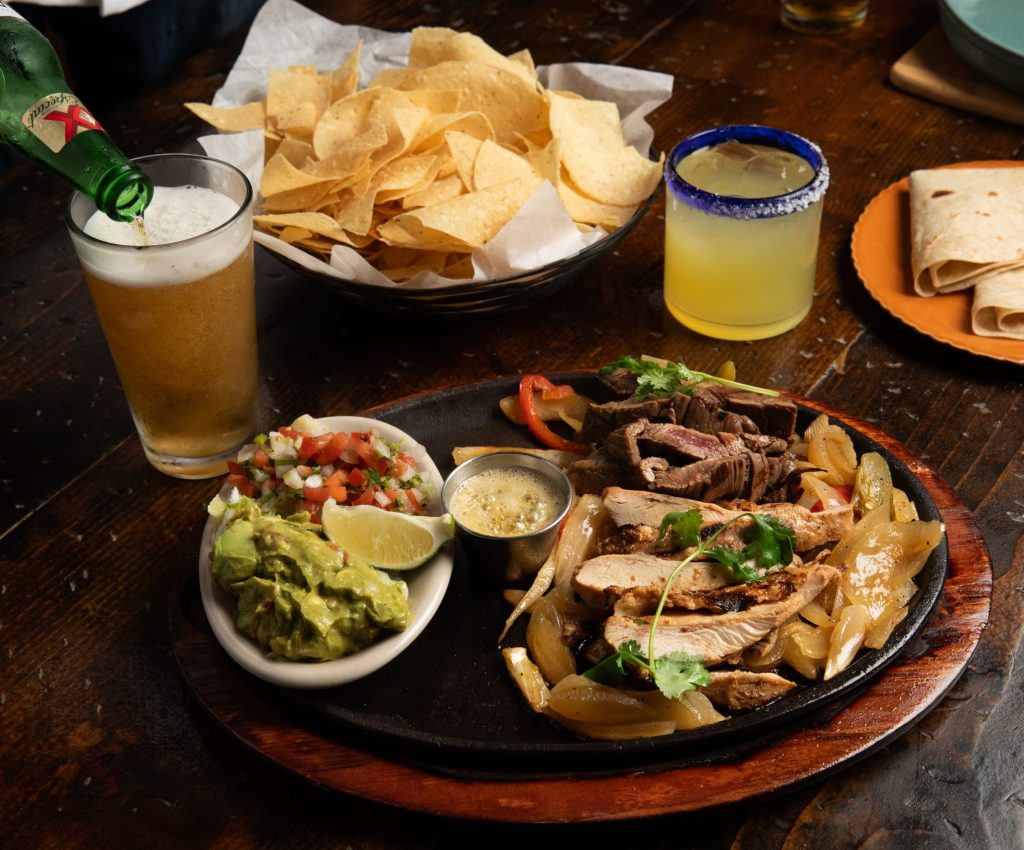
7	12
57	118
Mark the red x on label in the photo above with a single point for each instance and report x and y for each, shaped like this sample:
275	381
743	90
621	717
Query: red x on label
75	119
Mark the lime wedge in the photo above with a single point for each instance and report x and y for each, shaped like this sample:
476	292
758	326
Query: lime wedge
388	540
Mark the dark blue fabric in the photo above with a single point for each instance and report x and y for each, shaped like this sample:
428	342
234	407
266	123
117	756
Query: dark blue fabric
108	59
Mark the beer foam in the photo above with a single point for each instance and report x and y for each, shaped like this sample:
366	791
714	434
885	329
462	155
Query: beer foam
176	213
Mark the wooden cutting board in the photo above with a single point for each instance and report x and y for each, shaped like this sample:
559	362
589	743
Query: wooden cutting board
933	69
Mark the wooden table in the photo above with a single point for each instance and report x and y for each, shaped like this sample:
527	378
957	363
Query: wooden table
101	744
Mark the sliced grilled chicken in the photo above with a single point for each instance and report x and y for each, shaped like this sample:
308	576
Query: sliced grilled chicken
602	580
715	637
629	539
812	528
742	689
724	600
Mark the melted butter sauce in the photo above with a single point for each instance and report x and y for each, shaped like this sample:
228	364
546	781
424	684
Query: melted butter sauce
506	502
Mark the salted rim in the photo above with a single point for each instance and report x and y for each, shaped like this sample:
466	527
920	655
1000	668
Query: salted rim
730	206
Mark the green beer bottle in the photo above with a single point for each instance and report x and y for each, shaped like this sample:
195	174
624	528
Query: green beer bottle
41	117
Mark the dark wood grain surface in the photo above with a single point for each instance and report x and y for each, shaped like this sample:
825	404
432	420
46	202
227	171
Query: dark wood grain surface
101	745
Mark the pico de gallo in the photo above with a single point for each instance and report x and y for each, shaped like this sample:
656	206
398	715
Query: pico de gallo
294	469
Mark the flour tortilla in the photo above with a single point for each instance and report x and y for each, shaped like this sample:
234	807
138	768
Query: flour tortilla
998	306
965	224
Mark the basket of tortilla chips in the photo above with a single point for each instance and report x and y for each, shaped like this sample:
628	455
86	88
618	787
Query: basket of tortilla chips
454	182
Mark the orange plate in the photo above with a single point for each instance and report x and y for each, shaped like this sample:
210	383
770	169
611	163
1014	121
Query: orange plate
881	255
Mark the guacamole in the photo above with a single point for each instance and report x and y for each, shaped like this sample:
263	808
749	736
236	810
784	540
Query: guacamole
297	595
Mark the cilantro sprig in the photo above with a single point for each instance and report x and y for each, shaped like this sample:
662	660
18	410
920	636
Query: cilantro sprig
656	381
675	673
769	543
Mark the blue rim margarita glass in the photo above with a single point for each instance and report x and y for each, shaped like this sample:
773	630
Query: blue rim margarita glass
742	267
748	208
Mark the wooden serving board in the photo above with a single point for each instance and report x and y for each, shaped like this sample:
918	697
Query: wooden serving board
816	746
933	69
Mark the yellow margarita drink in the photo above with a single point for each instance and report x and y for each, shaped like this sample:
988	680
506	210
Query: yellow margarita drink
743	212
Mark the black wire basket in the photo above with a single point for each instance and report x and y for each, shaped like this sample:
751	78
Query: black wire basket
496	295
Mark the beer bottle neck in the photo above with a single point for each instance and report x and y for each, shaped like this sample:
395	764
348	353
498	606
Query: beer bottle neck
123	192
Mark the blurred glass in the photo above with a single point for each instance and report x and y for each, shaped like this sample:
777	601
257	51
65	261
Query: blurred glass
824	17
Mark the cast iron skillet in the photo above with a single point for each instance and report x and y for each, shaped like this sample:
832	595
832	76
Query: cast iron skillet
448	700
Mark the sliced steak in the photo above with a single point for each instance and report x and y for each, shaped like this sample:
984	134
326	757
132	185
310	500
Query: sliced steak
760	471
704	412
602	419
765	443
597	471
708	406
716	637
621	444
812	528
650	468
742	689
680	444
620	381
715	478
771	414
601	581
749	475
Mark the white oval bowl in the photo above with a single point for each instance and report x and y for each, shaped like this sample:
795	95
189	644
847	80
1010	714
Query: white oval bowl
427	586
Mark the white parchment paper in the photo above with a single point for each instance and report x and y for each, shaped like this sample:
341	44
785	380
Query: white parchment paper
286	33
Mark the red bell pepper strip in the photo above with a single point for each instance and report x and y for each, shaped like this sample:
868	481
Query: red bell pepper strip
538	427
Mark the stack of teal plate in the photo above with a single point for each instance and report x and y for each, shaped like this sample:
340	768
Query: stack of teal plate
989	35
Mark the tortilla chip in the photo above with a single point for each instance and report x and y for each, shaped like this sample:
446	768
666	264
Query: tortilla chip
402	120
350	160
292	234
494	164
296	151
344	121
233	119
310	198
512	103
460	266
464	150
546	161
434	45
469	219
594	153
279	175
313	222
402	176
344	80
299	121
524	58
300	84
432	134
585	210
440	190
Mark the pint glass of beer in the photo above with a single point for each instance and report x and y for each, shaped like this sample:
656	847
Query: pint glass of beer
175	296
